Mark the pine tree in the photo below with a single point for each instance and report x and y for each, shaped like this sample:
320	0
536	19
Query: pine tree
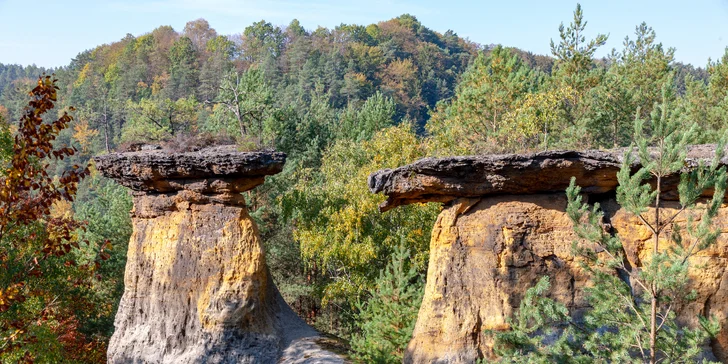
245	101
183	70
644	65
388	318
474	120
573	53
361	123
575	69
635	321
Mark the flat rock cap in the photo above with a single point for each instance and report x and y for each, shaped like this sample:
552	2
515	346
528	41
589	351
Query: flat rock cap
445	179
211	170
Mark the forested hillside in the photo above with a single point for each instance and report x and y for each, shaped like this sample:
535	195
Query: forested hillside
342	103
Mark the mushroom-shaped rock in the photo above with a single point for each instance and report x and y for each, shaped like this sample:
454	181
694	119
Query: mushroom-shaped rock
196	286
504	225
445	179
214	170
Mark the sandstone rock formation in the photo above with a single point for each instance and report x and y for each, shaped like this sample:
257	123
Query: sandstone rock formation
504	226
197	288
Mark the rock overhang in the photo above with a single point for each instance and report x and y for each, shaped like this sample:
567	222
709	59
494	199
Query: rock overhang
196	286
446	179
212	170
504	225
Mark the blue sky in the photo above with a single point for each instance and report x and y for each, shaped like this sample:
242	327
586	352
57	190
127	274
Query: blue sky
50	33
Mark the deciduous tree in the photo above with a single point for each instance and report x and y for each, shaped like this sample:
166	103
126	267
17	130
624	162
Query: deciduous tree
40	276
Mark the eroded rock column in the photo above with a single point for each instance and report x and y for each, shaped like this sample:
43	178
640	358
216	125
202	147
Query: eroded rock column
504	225
484	253
197	288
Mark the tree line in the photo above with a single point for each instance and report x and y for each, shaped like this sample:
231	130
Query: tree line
342	103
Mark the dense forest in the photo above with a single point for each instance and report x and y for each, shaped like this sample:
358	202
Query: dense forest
342	103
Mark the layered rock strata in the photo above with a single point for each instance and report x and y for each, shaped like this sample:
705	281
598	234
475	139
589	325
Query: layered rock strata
504	225
197	288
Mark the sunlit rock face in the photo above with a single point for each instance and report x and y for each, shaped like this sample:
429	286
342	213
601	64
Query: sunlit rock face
197	288
504	225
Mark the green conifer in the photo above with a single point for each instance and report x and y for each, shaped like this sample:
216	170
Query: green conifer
387	319
633	310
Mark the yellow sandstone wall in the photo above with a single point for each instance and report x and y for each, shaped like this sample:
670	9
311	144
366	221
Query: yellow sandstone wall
192	274
486	252
197	288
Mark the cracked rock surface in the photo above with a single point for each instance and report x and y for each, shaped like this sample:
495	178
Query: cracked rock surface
504	225
197	287
445	179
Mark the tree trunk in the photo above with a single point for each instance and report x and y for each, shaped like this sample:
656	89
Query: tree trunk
655	249
106	129
243	130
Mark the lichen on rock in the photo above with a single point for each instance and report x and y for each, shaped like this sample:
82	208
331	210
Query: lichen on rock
197	287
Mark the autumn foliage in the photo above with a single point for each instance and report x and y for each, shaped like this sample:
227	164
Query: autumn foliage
41	276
